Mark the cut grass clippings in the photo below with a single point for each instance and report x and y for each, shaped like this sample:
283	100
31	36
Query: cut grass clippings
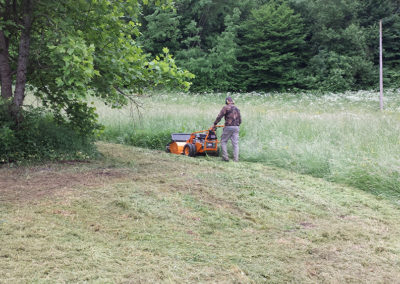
167	218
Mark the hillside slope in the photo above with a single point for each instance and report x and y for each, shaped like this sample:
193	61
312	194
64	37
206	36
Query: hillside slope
145	216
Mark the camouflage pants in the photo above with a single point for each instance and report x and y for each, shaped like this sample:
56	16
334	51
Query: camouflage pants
230	132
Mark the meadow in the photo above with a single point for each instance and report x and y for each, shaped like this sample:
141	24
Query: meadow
343	138
137	215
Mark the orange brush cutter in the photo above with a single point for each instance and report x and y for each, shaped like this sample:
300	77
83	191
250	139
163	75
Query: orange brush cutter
196	143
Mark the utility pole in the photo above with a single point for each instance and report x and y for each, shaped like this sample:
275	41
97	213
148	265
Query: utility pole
380	67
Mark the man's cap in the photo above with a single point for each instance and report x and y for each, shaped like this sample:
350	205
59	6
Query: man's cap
228	99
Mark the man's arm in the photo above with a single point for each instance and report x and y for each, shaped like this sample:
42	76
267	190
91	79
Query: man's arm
220	115
240	117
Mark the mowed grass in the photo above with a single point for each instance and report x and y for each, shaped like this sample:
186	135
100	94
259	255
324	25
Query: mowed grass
144	216
339	137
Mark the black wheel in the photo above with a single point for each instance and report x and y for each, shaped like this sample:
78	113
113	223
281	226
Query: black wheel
189	150
214	153
167	148
193	149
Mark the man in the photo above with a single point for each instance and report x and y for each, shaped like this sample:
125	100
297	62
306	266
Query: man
231	129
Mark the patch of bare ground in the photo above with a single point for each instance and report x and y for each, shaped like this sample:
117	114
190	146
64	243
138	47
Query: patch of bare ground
28	184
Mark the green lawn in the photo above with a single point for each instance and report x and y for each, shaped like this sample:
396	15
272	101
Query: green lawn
144	216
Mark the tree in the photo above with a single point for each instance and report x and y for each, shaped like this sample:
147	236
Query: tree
161	29
223	57
200	34
214	69
338	39
271	43
389	12
392	50
66	50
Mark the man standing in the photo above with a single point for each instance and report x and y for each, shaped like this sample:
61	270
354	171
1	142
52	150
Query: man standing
231	128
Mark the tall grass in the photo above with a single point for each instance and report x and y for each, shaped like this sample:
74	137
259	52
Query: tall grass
338	137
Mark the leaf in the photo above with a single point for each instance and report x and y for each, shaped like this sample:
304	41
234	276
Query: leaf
59	82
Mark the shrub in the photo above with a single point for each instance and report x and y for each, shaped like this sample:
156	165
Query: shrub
148	139
39	137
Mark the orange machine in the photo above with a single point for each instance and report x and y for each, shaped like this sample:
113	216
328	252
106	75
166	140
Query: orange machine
196	143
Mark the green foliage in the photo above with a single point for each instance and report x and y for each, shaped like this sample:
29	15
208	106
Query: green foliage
206	31
326	45
341	56
145	138
208	17
343	40
148	139
105	61
332	71
214	70
40	137
161	30
223	56
271	41
81	48
391	39
197	61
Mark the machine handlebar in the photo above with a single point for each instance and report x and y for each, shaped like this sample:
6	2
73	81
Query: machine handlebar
211	128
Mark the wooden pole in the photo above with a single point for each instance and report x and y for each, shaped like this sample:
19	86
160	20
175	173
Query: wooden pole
380	67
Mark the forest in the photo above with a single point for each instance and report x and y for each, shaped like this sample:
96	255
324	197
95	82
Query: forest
275	45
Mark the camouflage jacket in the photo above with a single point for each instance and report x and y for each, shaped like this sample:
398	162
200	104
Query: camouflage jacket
231	114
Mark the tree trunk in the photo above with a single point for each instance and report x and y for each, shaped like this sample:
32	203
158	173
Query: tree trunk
5	69
23	56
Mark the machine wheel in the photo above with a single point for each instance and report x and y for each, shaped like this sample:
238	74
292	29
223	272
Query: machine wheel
215	154
193	149
189	150
167	148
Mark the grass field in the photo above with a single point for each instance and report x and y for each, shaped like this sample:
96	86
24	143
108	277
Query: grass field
144	216
339	137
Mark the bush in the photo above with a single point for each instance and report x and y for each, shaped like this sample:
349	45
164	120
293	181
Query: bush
144	139
149	140
330	71
38	137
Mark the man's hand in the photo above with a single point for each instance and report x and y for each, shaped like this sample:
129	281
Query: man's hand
213	127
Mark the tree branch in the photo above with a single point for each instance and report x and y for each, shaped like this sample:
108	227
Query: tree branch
15	11
131	99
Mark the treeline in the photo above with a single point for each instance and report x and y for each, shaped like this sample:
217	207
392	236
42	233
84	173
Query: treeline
248	45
